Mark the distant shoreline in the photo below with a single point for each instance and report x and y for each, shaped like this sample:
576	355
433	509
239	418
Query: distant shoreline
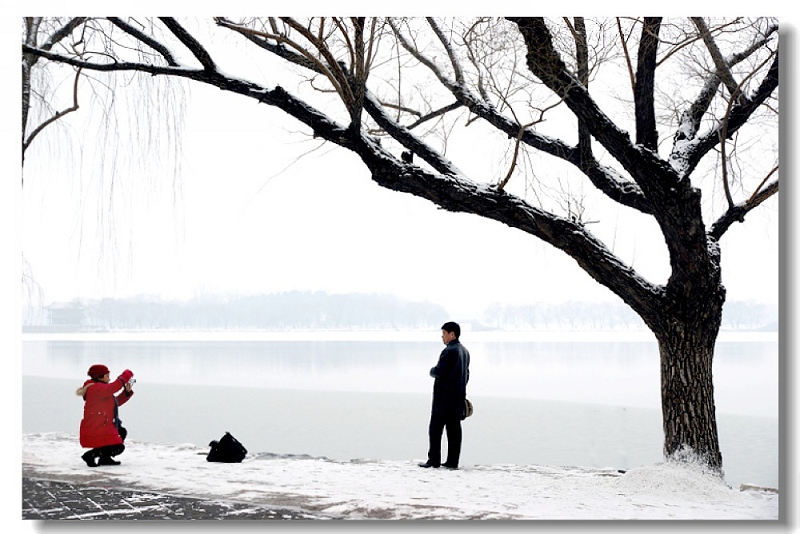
379	335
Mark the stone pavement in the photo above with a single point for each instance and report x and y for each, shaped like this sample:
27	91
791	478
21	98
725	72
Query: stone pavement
51	499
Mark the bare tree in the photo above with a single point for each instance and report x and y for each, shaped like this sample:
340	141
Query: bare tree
393	90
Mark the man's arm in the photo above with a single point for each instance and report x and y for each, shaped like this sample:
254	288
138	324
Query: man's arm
447	361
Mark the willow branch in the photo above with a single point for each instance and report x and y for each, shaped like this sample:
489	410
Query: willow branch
57	116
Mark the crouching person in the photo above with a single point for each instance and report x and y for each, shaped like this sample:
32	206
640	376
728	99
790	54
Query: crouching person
101	430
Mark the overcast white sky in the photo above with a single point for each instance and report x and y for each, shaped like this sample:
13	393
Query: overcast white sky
235	221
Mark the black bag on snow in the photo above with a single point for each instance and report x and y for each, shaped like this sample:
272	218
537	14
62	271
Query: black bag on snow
227	450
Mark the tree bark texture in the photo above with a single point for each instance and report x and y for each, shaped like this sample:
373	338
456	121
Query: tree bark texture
687	390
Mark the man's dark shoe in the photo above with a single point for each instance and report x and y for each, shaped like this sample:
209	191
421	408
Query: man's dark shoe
107	460
89	459
428	464
450	466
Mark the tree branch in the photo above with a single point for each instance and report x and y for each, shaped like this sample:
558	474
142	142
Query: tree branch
646	133
191	43
605	179
449	49
723	70
63	32
627	55
407	139
692	153
582	57
737	212
459	195
55	117
146	39
371	105
690	119
348	98
304	59
644	166
113	66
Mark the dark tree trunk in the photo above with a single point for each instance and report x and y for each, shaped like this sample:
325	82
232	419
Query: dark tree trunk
686	339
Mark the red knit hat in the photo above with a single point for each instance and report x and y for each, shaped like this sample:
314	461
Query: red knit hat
98	371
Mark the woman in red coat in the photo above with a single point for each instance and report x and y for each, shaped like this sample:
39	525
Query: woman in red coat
101	430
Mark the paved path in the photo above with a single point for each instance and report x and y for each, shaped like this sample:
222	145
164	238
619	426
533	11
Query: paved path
51	499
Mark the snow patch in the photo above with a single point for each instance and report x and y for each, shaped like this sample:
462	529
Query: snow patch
382	489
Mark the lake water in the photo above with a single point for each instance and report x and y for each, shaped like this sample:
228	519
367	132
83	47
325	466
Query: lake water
541	398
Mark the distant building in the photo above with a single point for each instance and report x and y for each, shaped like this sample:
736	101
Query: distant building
66	315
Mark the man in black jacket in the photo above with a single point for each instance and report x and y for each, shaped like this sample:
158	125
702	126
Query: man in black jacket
451	375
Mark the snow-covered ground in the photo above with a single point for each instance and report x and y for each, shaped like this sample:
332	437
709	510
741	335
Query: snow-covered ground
364	488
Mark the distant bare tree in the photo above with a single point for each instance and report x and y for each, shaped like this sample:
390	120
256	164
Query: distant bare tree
644	111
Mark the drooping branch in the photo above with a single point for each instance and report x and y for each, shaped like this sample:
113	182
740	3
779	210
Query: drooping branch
514	156
320	124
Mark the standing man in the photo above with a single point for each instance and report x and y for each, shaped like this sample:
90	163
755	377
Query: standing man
451	375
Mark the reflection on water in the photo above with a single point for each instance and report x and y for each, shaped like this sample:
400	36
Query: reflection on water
621	373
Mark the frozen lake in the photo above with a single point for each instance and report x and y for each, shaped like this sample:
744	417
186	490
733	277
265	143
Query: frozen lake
548	399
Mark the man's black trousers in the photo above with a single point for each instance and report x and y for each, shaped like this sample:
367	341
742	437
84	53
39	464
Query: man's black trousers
435	430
